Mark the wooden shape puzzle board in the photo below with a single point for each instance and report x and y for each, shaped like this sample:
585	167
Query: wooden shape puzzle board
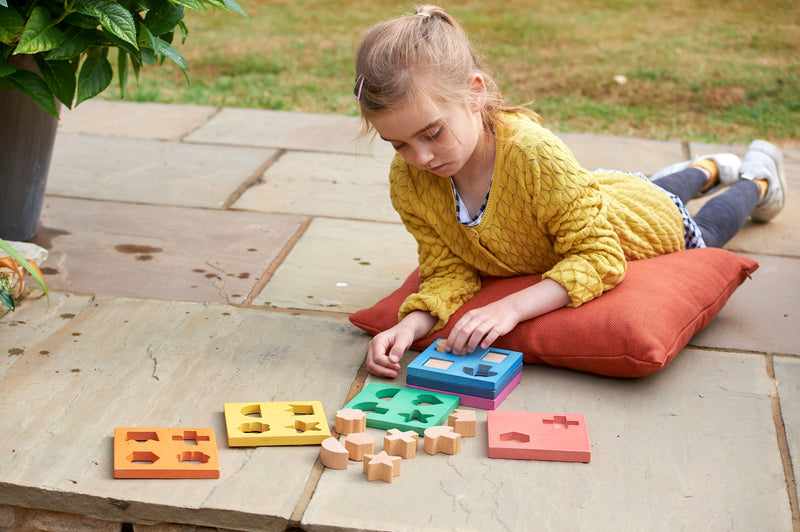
460	389
479	402
396	407
276	423
484	369
538	436
165	453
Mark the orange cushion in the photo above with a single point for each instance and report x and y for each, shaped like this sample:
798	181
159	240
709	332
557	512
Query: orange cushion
631	331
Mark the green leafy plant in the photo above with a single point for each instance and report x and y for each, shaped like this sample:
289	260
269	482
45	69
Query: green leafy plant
70	42
9	268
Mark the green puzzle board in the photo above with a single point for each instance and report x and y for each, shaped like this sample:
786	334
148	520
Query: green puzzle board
396	407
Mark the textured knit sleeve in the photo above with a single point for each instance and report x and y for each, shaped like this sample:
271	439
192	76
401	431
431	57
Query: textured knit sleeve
447	281
570	208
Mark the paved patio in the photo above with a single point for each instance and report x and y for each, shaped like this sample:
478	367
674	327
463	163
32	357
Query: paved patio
200	256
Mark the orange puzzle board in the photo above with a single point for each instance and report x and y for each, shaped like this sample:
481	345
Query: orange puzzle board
538	436
165	453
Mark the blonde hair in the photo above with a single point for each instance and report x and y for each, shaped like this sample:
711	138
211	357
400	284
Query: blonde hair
424	57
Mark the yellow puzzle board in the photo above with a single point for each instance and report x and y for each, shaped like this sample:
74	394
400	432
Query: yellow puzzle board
276	423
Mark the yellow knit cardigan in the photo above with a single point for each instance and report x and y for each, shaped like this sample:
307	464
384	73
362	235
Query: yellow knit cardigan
545	214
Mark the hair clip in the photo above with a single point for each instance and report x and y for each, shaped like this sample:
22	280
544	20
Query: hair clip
358	87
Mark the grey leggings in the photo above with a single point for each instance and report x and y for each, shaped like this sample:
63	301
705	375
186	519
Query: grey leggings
723	215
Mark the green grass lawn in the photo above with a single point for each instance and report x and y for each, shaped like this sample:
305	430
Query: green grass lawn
717	71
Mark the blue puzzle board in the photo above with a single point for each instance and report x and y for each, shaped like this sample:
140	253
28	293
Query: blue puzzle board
484	369
397	407
449	387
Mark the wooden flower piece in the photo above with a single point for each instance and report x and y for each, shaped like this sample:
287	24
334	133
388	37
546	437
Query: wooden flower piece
350	420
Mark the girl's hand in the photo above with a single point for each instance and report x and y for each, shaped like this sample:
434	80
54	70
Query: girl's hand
386	349
481	327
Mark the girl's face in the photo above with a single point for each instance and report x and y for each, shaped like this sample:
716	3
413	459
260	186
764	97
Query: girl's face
440	138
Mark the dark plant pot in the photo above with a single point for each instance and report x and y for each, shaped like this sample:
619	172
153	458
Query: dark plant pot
27	135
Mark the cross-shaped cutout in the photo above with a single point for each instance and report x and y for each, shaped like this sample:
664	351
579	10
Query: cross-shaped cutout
189	437
560	422
415	415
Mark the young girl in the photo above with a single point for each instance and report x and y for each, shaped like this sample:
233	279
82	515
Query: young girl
486	190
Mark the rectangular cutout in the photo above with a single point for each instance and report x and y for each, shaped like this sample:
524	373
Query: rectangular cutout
438	363
494	357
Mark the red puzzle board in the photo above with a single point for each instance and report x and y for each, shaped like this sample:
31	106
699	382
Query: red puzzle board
538	436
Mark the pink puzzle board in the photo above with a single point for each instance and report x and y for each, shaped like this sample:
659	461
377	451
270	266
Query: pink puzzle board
480	402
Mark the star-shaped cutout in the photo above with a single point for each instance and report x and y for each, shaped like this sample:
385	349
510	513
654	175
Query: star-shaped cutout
415	415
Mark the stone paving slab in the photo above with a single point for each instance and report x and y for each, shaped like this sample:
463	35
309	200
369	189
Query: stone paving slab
778	237
324	184
287	130
691	448
762	315
149	171
159	252
34	321
787	375
628	154
342	265
133	120
146	363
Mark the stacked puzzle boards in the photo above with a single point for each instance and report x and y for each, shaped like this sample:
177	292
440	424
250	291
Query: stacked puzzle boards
481	379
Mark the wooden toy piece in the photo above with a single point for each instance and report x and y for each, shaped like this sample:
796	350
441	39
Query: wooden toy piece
402	444
538	436
441	346
396	407
479	402
359	444
381	466
276	423
465	422
442	439
350	420
165	453
333	454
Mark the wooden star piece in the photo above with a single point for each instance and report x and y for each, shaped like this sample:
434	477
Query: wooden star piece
381	466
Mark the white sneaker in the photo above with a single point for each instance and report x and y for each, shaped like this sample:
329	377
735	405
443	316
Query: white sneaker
727	165
764	160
